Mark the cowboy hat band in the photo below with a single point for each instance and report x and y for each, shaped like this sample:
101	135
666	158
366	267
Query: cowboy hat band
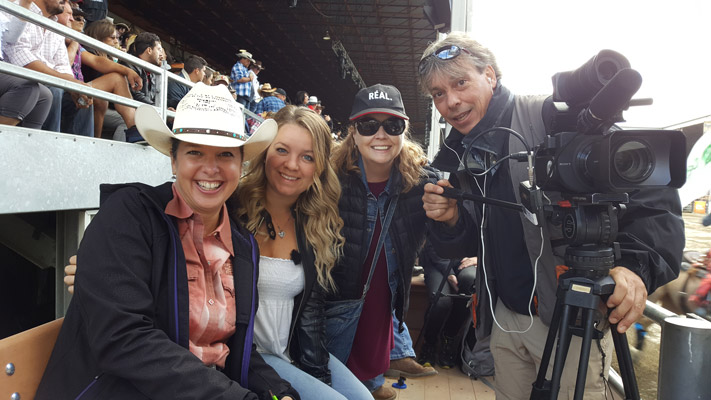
218	132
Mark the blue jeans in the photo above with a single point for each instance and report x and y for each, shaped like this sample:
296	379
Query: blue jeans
374	383
344	384
403	341
403	348
65	117
341	324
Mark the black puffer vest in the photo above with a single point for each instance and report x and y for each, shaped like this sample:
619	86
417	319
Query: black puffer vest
407	232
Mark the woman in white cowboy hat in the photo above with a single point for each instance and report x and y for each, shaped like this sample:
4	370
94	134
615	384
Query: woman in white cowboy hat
165	302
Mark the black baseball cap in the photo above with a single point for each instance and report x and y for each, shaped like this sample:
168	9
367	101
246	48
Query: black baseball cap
384	99
281	91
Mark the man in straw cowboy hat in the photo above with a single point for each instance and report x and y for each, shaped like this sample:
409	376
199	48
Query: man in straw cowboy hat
165	301
241	79
269	103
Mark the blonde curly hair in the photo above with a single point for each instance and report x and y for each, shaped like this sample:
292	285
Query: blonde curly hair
317	206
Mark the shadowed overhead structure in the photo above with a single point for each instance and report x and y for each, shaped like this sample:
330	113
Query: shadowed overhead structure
383	40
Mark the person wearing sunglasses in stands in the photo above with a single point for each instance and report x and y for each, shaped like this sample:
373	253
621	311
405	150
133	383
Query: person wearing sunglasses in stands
518	275
382	174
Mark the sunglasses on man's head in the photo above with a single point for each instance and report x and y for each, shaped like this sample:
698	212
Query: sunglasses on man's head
369	127
443	53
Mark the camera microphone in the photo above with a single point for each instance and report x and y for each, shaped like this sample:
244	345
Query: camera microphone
610	100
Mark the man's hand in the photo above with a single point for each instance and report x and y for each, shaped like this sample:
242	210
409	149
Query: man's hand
467	262
70	270
628	299
135	82
438	207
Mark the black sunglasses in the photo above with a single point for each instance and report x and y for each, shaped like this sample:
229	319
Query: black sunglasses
369	127
443	53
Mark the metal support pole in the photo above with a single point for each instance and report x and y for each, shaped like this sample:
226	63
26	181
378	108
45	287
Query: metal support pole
684	359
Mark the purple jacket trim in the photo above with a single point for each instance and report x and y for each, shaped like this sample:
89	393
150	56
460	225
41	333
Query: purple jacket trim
249	337
96	378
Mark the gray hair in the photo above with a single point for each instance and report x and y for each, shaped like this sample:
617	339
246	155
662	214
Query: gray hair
480	58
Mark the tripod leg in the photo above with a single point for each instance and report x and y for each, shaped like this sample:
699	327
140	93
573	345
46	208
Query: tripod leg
624	359
564	335
588	316
433	301
540	389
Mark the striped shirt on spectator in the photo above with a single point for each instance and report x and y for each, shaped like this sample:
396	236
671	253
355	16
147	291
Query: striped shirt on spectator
239	71
39	44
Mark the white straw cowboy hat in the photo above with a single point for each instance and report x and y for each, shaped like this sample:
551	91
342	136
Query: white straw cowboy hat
207	115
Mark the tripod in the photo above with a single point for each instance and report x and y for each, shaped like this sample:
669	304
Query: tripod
582	290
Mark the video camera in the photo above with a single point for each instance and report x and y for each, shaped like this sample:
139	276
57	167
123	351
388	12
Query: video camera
586	153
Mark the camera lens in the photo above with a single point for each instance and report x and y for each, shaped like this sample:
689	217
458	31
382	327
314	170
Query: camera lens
633	161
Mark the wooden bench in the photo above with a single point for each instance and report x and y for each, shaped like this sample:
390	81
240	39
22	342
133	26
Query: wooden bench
24	357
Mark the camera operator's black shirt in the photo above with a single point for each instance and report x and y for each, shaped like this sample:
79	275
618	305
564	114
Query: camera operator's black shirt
505	243
506	251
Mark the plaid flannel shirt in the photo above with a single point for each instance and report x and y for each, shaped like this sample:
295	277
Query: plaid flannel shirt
271	103
239	71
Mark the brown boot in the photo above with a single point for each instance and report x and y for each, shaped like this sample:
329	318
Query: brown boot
384	393
408	368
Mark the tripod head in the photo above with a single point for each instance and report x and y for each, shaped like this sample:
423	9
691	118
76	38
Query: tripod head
589	225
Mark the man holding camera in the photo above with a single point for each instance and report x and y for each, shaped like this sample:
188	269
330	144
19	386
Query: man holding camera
517	283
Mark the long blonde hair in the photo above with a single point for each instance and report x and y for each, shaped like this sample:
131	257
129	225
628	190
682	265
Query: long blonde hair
318	205
410	161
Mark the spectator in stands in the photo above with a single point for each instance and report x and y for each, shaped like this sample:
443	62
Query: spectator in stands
225	80
95	9
302	97
254	70
312	102
22	102
193	70
382	173
104	31
79	20
209	77
146	46
241	78
145	312
269	101
44	51
281	95
318	109
104	74
122	31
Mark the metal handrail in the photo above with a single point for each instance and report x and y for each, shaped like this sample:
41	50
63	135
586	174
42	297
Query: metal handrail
25	73
163	75
65	31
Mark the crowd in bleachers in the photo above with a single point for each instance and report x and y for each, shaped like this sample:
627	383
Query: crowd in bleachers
59	110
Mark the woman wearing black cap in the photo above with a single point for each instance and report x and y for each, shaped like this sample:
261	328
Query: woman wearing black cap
382	173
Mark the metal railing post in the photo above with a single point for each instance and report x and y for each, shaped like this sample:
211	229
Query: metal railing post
684	359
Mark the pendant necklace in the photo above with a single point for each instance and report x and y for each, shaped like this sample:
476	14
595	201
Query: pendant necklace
281	232
270	226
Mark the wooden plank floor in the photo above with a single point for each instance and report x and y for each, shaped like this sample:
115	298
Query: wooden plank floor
448	384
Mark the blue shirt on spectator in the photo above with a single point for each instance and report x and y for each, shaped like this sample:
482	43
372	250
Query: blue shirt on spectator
271	103
239	71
